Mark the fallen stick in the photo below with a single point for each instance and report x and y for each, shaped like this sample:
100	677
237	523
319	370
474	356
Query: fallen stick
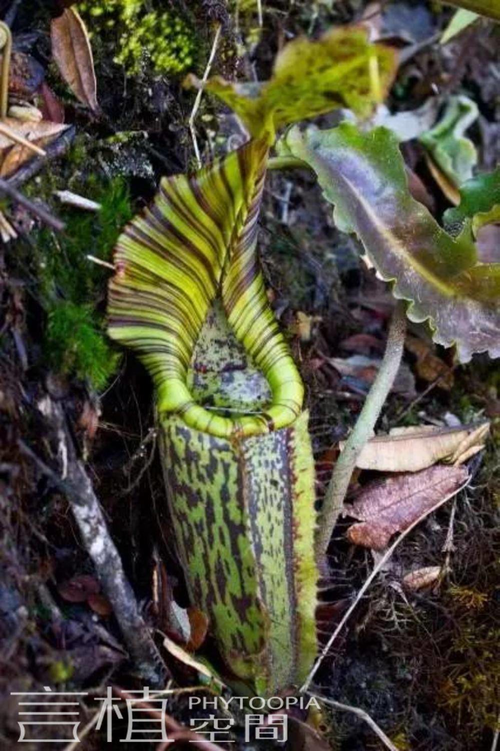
76	485
79	202
53	150
33	208
359	713
21	140
197	101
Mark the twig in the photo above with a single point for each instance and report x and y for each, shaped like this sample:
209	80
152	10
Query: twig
448	546
78	489
79	202
199	94
33	208
359	713
424	393
52	151
7	231
100	262
21	140
74	745
496	736
362	431
176	730
379	566
259	13
6	46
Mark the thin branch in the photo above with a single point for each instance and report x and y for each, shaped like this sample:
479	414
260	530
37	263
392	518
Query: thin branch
74	745
260	14
21	140
33	208
359	713
7	231
496	736
362	431
175	730
76	485
100	262
376	570
199	95
79	202
53	150
6	46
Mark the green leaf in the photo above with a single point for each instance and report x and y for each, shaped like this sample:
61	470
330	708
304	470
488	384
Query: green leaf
454	154
342	69
461	20
479	203
363	175
488	8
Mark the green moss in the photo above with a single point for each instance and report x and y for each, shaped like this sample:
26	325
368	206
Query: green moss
72	288
144	34
76	345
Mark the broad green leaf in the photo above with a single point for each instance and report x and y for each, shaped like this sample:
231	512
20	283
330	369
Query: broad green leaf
461	20
363	175
196	243
453	153
479	203
342	69
487	8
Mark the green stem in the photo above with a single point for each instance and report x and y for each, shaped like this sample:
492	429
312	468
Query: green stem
488	8
362	431
287	162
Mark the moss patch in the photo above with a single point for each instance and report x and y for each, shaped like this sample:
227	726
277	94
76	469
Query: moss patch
72	288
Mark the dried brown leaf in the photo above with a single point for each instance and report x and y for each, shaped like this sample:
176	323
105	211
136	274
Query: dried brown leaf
73	55
362	344
393	504
100	605
429	366
180	654
78	589
12	155
366	368
444	182
422	578
198	622
52	108
415	448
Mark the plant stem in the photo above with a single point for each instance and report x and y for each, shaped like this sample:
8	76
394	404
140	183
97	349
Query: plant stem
287	162
362	431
